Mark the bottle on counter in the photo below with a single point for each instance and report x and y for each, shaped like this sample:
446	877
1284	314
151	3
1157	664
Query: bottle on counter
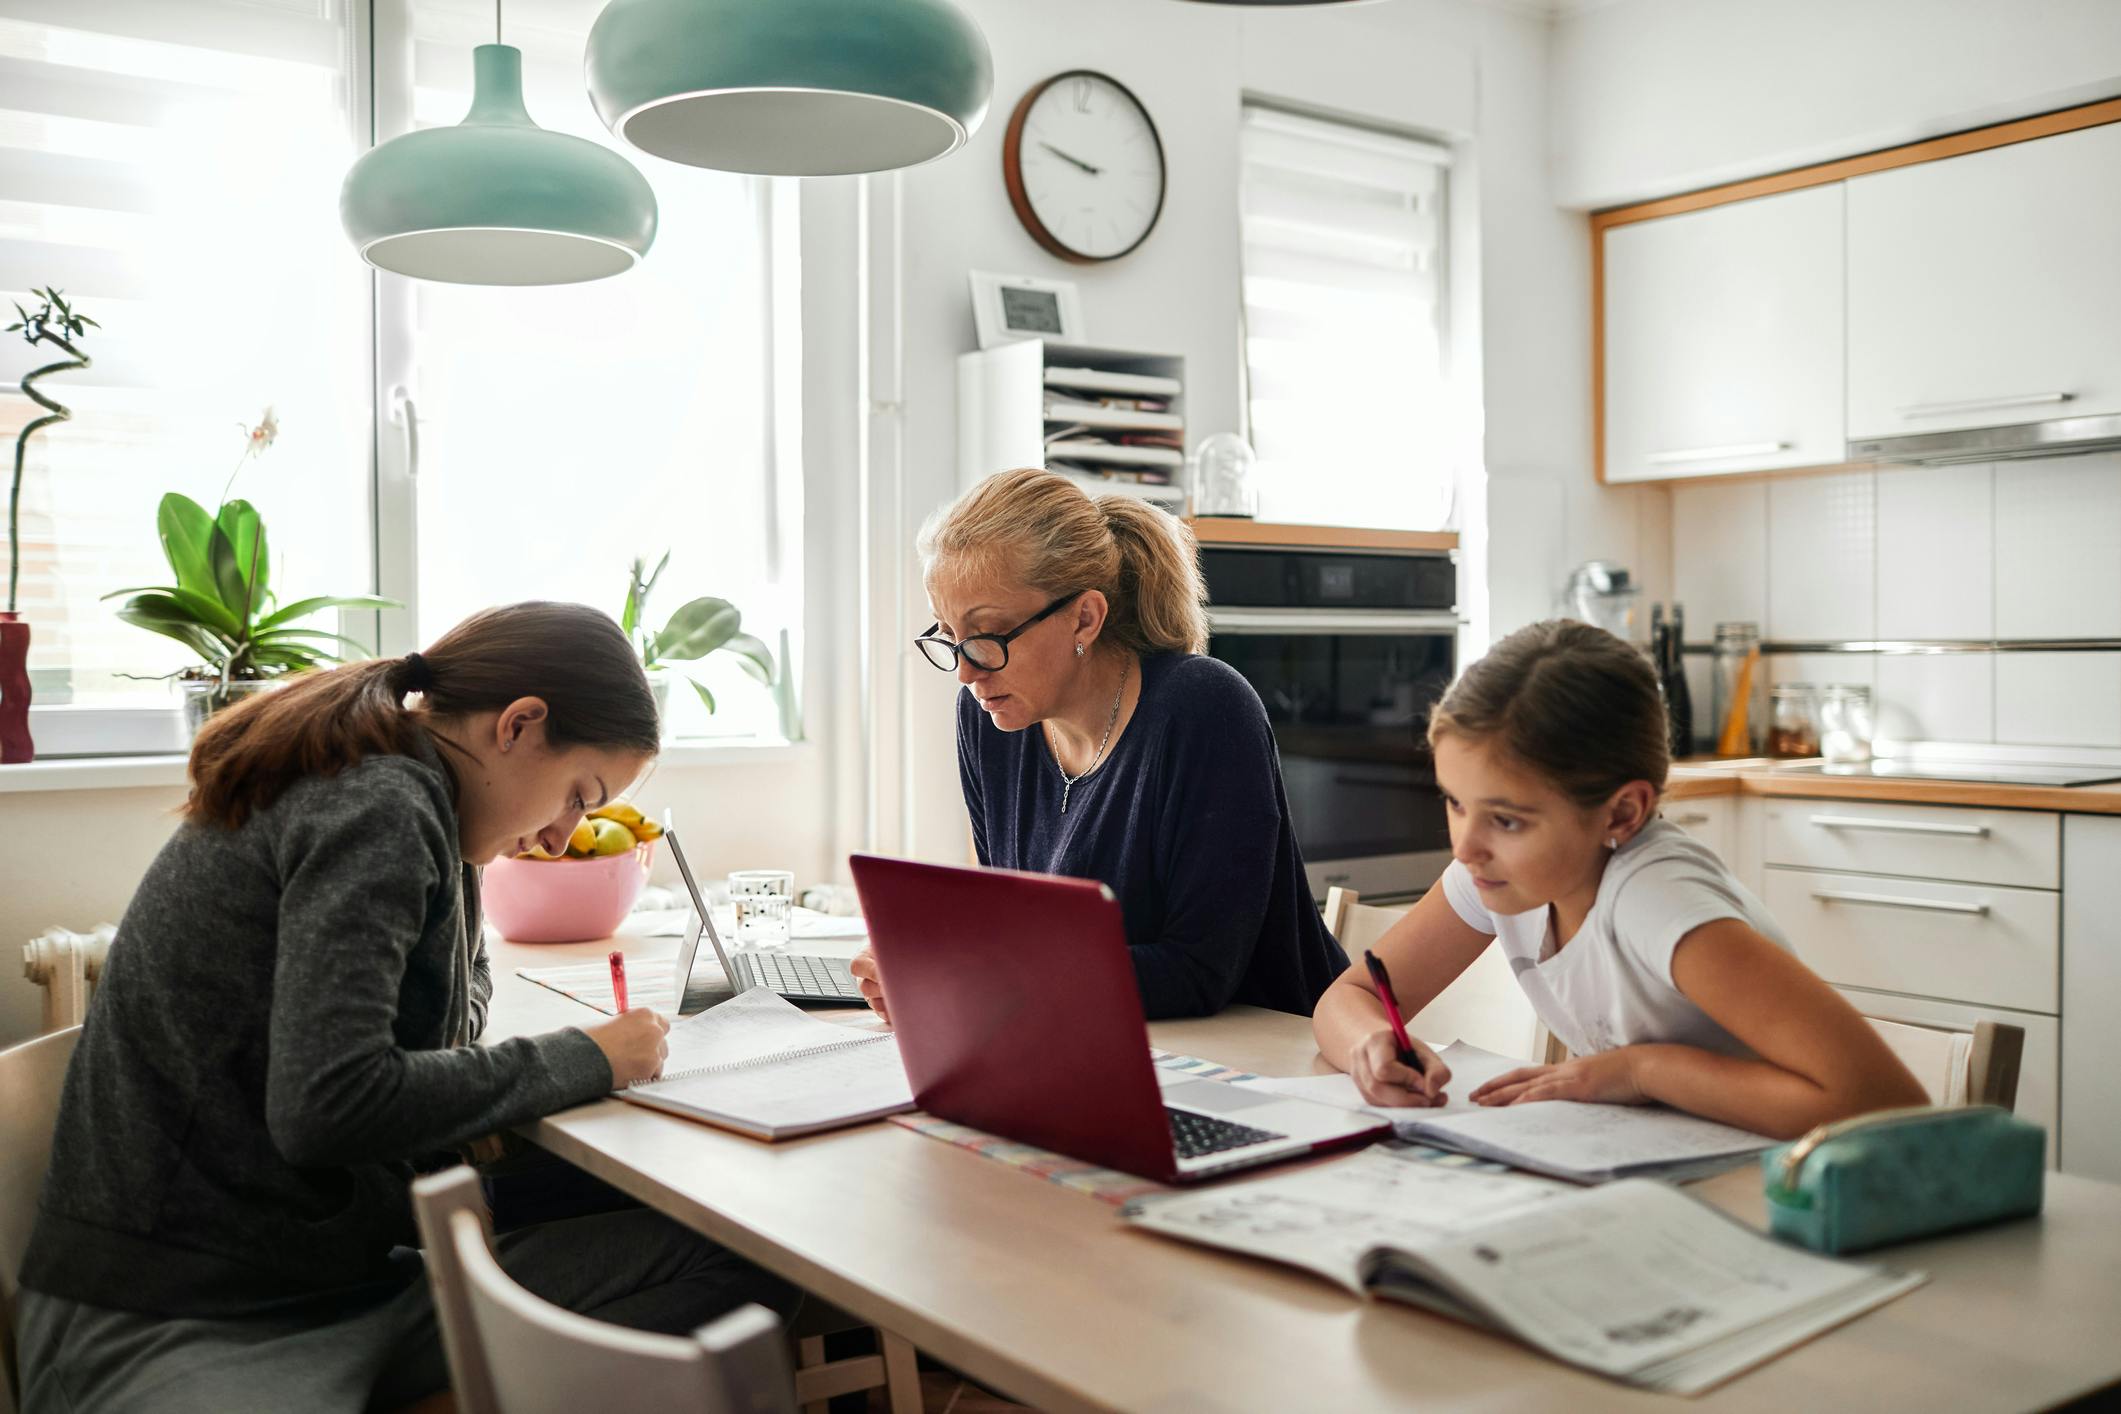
1678	697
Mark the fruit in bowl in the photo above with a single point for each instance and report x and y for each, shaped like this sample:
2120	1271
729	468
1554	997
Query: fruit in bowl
583	894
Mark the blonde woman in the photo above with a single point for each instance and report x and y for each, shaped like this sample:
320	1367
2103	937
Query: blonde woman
1095	740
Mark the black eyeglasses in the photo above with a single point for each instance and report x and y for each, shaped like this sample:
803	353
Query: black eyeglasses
989	652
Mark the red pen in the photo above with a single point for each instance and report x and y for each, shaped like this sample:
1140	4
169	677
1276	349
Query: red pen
618	980
1383	981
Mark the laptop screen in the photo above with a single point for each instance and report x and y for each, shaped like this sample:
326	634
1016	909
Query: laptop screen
702	922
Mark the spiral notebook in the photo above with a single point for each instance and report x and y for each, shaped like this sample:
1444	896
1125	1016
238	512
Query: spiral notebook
761	1066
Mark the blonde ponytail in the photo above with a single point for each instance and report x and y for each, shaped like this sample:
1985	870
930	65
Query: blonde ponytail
1039	529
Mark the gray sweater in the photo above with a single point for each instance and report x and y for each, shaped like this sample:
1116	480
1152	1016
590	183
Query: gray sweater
278	1040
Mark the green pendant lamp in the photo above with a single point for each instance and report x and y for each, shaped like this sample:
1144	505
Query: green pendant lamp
497	200
796	88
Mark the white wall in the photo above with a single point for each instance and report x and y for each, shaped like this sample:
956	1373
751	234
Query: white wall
1653	97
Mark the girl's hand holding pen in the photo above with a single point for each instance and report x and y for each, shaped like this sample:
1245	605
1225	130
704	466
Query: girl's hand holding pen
1383	1079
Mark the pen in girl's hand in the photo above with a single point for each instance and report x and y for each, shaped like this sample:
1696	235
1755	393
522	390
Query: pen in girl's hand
618	982
1382	980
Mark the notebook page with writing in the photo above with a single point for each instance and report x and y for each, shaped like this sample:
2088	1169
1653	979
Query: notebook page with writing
1471	1067
1591	1143
750	1026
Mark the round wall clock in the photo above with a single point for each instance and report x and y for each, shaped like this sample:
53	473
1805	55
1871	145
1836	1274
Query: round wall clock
1084	166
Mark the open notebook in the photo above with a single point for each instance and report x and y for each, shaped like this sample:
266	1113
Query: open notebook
1566	1138
761	1066
1636	1280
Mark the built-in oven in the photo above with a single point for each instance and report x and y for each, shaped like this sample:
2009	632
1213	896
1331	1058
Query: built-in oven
1348	649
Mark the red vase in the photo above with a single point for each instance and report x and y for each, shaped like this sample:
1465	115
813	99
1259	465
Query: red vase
14	690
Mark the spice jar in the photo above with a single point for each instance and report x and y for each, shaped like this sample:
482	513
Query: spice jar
1793	722
1845	723
1739	690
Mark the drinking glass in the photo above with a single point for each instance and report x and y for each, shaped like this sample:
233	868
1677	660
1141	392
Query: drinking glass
762	899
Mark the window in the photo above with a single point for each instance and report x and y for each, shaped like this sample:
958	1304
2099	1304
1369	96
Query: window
565	431
174	167
1343	241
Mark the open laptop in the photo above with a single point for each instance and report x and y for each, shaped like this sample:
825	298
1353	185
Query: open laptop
802	977
1017	1012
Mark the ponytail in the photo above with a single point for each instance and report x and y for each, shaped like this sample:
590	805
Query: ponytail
573	657
1038	528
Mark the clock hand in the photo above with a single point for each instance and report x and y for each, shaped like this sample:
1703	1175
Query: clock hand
1093	171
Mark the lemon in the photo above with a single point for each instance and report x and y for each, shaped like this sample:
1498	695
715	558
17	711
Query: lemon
583	842
647	830
611	837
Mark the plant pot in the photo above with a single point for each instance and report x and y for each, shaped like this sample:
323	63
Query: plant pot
562	900
659	685
203	697
15	745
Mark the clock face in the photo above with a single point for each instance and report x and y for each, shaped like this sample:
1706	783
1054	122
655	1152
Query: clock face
1084	166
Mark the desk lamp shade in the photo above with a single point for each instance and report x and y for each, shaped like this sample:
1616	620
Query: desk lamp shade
497	200
795	88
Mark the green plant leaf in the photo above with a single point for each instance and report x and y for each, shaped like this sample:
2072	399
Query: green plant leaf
705	696
245	529
187	532
303	608
208	612
698	629
291	657
633	597
752	655
160	614
293	638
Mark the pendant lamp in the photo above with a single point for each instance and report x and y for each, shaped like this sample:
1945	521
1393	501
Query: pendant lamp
797	88
497	200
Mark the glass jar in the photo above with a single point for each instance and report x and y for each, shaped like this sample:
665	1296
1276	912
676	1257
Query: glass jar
1793	721
1738	691
1845	723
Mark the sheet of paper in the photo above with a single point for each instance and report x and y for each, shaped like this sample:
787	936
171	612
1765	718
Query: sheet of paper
750	1026
1587	1140
805	1090
1471	1067
1325	1219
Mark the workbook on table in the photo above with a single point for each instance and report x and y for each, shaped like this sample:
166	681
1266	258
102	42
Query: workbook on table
759	1065
1584	1143
1634	1280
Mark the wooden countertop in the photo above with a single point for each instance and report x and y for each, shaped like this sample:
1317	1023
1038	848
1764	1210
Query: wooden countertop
1700	780
1226	530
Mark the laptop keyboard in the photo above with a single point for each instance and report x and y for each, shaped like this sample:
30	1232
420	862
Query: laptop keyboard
803	975
1193	1135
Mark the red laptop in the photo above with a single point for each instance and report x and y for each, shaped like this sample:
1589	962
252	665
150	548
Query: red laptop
1016	1011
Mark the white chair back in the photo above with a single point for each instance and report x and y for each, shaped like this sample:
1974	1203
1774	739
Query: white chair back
1977	1067
1483	1006
509	1350
31	1077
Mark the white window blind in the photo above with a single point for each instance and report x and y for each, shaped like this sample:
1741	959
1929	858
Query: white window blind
1343	231
566	430
173	166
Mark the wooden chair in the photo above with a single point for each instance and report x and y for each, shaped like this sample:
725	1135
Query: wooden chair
510	1351
1483	1007
31	1076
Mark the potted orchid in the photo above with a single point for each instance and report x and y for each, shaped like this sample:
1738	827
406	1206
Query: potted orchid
700	627
221	604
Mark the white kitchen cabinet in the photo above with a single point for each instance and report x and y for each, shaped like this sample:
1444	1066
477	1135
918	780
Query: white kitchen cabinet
2091	996
1985	289
1724	339
1711	821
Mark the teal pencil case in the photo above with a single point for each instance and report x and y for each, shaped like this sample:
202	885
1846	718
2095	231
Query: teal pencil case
1901	1174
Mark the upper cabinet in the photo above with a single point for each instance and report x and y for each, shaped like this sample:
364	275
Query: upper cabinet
1985	289
1724	338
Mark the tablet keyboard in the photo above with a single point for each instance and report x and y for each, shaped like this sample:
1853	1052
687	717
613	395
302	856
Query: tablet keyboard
1193	1135
799	974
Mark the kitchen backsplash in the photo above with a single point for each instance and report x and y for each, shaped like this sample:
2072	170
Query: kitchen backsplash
2013	550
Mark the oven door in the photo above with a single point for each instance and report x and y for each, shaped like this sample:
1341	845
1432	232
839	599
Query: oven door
1348	694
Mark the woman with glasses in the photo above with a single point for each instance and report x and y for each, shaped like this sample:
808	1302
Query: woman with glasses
1095	740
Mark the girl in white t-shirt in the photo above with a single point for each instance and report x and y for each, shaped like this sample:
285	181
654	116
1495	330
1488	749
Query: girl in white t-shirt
1663	975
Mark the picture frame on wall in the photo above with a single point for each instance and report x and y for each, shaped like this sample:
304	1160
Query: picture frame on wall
1006	308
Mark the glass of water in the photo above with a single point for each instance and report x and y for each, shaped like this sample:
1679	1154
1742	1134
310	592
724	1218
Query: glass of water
762	899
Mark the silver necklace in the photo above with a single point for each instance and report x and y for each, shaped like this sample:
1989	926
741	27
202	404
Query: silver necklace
1068	781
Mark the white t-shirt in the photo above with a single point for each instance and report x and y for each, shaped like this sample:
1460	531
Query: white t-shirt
1611	985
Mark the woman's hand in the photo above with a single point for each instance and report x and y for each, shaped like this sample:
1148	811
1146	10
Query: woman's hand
864	969
633	1043
1382	1079
1608	1077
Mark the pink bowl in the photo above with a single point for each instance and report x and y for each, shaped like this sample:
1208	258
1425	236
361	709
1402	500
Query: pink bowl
562	900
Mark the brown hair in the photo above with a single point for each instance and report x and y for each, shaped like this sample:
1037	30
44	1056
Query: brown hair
1041	529
572	656
1570	701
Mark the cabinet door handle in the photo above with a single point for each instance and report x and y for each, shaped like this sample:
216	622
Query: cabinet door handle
2023	400
1692	817
1900	827
1714	454
1927	905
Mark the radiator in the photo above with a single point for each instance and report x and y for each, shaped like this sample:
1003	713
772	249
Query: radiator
67	966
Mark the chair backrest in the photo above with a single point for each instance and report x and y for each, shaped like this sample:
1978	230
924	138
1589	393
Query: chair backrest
509	1350
1976	1067
31	1076
1483	1006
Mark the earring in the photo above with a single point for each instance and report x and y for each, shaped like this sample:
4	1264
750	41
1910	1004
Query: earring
1611	842
1078	650
506	744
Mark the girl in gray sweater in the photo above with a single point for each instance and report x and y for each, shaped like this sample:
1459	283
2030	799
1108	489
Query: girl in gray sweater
286	1032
